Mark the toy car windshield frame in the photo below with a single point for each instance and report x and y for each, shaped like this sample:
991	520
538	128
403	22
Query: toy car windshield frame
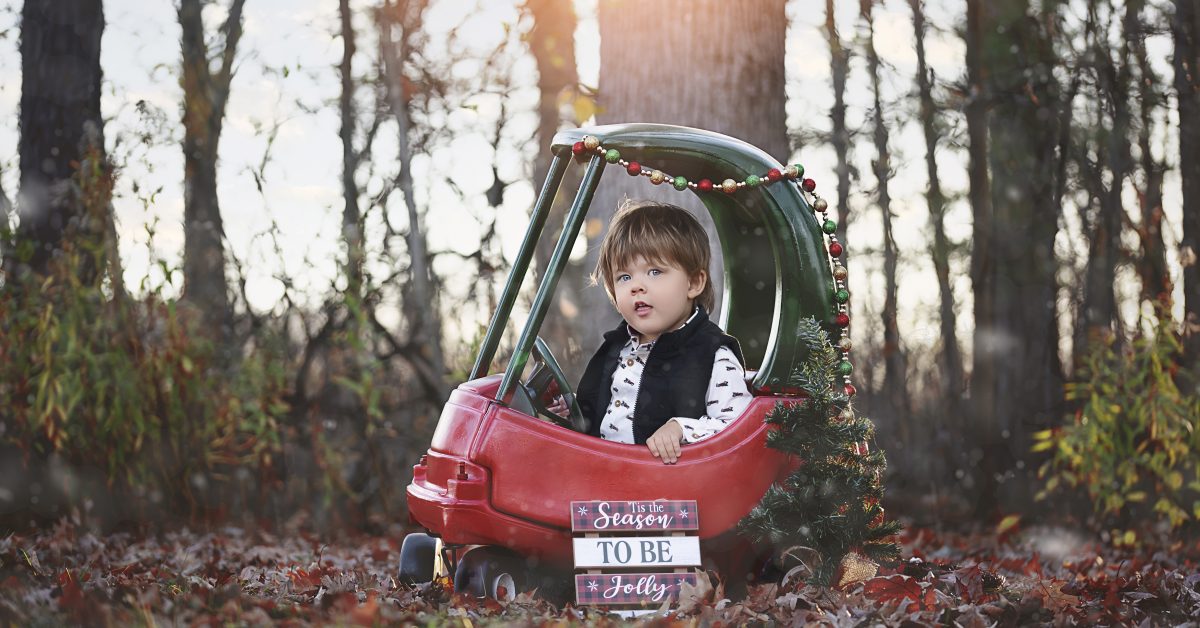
776	268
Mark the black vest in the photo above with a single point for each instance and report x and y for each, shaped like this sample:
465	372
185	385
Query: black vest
674	380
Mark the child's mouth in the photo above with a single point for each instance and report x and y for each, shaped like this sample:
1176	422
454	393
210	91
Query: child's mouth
641	309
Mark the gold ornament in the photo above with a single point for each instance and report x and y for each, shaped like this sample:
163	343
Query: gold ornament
590	142
729	186
844	344
840	273
820	205
657	177
853	568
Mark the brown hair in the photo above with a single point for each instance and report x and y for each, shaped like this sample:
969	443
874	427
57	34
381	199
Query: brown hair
657	232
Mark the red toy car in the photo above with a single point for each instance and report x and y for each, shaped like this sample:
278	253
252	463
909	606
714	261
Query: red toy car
501	472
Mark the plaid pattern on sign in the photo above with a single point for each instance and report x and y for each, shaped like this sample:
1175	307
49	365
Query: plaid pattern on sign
629	588
606	516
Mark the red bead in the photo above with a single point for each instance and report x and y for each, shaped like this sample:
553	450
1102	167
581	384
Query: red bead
850	390
634	168
842	320
705	185
577	148
835	249
809	185
774	175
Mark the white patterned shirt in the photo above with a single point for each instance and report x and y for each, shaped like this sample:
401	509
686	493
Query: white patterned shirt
725	400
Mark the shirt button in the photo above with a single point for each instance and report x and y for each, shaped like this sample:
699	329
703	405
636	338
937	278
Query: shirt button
629	362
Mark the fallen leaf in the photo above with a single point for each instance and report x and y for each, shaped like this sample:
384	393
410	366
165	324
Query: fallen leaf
691	596
894	589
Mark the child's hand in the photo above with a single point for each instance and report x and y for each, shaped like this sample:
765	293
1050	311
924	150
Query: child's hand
664	444
558	406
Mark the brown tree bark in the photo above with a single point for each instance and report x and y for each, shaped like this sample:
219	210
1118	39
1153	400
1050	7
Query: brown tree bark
205	95
951	356
552	42
1025	384
1098	312
982	262
60	96
1152	266
701	63
840	136
351	218
1185	28
399	22
5	213
895	376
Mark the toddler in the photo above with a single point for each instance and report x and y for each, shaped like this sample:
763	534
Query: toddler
667	375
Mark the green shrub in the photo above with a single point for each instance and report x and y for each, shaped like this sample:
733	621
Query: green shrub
129	387
1134	443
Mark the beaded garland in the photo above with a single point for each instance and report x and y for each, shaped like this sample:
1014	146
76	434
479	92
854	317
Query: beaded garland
591	145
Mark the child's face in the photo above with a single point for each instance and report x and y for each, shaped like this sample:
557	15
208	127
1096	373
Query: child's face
655	298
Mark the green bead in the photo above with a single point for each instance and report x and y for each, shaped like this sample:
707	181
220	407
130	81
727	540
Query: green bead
829	226
612	156
845	368
680	183
753	181
842	296
799	171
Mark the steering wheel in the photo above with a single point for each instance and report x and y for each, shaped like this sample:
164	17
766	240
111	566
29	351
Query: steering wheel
530	397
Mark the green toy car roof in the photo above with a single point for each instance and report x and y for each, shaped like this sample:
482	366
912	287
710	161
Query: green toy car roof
777	271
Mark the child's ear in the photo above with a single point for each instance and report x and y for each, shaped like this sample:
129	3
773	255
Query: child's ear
696	284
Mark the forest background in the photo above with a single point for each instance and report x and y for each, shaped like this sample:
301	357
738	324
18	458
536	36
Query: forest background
249	247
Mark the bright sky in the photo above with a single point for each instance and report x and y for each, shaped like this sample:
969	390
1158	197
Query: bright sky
302	193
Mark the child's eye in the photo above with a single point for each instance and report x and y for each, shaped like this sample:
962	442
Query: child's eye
622	277
654	272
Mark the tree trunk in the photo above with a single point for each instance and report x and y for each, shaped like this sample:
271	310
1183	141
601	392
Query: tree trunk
1025	385
1152	267
982	262
421	307
718	67
1186	30
205	94
951	357
895	373
552	42
60	95
1099	314
351	227
5	215
840	136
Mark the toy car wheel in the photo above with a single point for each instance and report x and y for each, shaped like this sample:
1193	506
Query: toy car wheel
490	572
417	556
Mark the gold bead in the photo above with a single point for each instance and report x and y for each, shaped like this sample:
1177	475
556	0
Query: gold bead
791	172
657	176
840	273
590	142
844	344
820	205
729	186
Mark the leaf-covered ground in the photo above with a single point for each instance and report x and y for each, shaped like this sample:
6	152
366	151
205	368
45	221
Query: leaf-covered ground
1038	576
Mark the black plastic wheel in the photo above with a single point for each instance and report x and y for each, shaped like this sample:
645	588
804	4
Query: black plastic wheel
490	572
417	556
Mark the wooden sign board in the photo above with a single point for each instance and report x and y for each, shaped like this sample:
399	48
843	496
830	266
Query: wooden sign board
636	551
634	516
629	588
614	542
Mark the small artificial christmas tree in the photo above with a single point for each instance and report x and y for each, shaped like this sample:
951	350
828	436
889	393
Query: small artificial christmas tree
830	503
